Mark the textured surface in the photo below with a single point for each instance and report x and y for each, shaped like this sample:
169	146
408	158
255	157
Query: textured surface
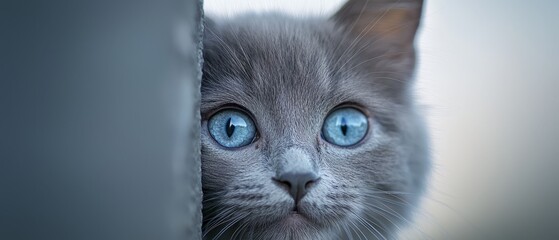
99	133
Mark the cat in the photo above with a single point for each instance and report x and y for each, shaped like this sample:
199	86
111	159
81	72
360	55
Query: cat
310	129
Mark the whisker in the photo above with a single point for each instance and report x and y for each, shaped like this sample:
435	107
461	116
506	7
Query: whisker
404	203
359	230
382	211
370	227
231	223
239	230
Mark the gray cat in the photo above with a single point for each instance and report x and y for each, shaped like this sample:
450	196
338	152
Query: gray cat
309	127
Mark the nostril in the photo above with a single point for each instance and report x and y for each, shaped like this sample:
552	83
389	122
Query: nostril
282	184
311	183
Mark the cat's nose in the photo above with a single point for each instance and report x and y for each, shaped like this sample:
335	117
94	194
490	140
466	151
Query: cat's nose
296	171
298	183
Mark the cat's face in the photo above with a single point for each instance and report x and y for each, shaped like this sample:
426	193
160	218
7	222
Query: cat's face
308	127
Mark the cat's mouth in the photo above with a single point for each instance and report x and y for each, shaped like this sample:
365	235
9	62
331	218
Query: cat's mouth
299	217
295	209
295	214
302	214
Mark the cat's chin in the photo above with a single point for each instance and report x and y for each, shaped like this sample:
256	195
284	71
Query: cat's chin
295	219
298	221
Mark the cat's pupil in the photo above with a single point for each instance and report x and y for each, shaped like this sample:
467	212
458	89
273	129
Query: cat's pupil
229	128
344	126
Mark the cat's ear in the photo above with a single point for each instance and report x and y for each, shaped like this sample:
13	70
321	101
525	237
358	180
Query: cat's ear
392	23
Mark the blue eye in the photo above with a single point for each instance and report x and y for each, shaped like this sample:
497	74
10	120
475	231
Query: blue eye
232	128
345	127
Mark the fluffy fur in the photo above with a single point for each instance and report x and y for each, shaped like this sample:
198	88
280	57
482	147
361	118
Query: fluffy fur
289	73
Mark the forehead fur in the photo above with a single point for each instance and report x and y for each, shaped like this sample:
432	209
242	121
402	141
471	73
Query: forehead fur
288	65
267	57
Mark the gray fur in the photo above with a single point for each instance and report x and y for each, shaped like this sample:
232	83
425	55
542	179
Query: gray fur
289	74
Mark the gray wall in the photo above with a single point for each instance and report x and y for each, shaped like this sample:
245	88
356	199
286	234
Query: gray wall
99	119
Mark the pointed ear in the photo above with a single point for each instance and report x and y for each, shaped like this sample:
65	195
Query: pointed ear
392	22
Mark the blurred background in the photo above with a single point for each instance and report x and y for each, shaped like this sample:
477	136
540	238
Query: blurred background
487	81
99	137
